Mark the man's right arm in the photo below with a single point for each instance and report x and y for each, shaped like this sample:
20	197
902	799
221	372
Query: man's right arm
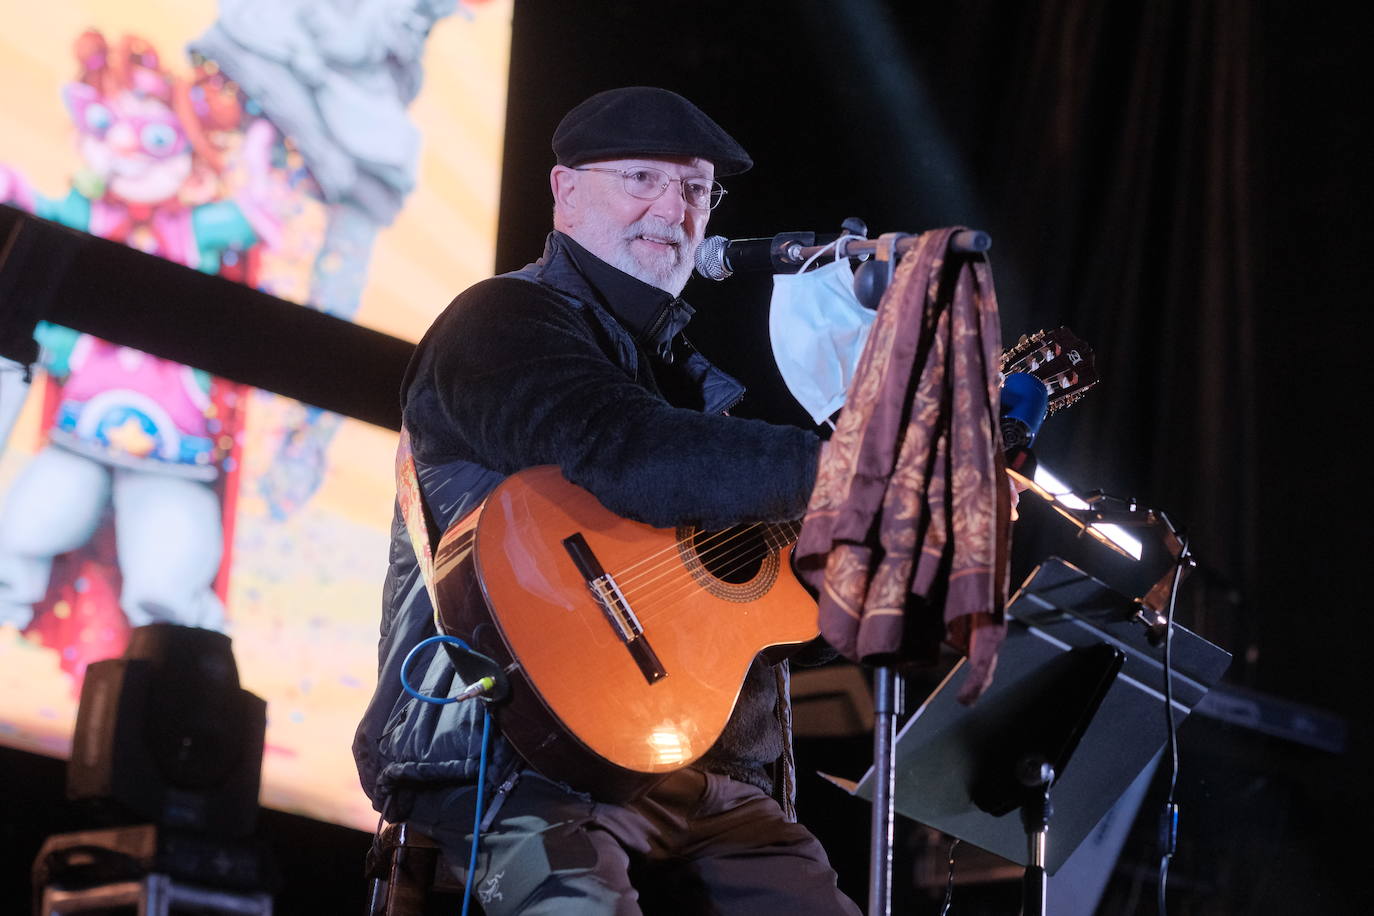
521	380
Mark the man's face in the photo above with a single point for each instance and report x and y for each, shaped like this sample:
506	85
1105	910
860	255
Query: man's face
653	240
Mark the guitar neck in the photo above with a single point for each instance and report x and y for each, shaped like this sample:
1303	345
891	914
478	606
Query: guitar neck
780	534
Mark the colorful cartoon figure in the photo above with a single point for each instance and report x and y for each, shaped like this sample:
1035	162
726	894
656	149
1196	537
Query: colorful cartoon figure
140	456
338	76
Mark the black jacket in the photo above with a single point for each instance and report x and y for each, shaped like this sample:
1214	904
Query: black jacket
568	362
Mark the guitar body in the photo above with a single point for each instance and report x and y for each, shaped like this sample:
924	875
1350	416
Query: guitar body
611	695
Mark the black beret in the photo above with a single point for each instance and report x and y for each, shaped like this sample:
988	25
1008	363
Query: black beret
645	121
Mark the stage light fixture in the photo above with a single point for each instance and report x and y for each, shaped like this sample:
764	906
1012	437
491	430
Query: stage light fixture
166	735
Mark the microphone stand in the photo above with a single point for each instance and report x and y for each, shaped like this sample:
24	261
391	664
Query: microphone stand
718	258
785	251
886	703
966	241
1035	817
873	276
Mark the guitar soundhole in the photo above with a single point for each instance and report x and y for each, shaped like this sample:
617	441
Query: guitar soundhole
733	556
738	564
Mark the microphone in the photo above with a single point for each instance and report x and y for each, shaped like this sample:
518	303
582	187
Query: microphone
718	257
1024	405
1025	402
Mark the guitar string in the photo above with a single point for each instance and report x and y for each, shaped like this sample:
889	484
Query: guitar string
714	561
669	553
651	607
1040	342
665	559
670	561
709	548
639	590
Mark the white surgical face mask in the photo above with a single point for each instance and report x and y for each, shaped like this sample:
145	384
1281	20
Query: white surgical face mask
818	329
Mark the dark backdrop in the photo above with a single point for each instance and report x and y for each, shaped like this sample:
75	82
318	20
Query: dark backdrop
1178	183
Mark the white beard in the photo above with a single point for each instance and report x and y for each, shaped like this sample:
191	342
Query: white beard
667	269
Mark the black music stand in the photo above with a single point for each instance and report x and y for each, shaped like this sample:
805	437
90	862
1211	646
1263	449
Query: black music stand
1078	698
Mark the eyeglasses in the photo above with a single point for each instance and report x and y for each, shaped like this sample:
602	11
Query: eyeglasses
649	184
159	137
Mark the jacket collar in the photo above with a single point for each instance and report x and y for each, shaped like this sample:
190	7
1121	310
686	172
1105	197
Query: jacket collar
653	316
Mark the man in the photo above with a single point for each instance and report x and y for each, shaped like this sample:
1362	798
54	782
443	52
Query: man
578	360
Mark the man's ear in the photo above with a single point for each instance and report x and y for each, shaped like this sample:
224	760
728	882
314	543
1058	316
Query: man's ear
563	184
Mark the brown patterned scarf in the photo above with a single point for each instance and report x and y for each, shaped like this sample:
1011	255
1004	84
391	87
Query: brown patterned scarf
907	535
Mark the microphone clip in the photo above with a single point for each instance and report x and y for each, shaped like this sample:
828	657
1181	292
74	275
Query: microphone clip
785	252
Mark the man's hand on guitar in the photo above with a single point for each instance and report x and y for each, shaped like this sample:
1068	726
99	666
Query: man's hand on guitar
1016	487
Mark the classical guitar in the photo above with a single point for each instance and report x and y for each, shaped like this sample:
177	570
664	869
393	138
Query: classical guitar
626	645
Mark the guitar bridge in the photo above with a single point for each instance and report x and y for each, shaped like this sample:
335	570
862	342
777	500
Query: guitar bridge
614	605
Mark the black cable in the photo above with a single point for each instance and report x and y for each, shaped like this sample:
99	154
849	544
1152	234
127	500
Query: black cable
1168	827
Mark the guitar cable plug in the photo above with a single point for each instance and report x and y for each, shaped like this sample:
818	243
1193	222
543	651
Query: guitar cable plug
476	689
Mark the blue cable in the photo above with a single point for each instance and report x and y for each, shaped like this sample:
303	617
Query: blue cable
477	815
482	759
410	657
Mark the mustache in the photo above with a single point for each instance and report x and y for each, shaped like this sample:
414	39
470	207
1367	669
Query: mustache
656	229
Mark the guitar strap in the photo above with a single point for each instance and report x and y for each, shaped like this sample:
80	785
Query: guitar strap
412	503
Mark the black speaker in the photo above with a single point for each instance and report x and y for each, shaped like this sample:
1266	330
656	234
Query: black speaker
165	734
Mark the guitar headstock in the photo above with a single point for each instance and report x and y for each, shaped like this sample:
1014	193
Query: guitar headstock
1059	359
